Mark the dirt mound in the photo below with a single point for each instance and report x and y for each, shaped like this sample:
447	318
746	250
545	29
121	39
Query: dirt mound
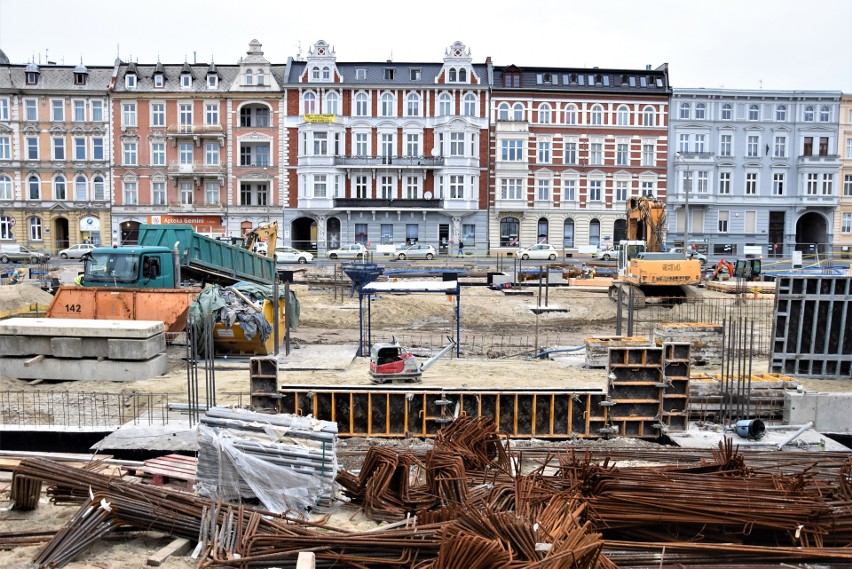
21	296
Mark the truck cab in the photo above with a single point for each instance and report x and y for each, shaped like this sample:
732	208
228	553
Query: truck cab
137	267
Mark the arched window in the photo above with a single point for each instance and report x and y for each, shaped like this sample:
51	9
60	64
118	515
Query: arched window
361	105
463	75
98	185
568	233
6	225
594	232
518	112
623	115
332	101
326	73
315	73
648	118
249	77
81	189
700	111
33	188
809	114
412	108
543	231
754	113
781	113
509	229
544	116
685	110
261	78
6	187
470	105
596	116
387	105
824	113
59	188
452	75
727	112
309	103
571	114
503	112
444	104
35	229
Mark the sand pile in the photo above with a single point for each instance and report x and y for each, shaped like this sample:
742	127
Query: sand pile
19	297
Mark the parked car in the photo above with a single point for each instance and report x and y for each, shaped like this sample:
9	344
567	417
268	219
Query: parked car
538	251
21	254
290	255
605	254
416	251
76	251
700	257
354	251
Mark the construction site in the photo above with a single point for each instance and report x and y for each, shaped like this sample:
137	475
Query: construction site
457	415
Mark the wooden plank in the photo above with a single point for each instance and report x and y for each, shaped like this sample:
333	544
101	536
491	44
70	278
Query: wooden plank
170	473
178	547
157	463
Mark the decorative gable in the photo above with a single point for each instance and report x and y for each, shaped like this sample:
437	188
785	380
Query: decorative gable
321	64
458	66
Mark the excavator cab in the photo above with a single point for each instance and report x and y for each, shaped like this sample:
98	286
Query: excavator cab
747	269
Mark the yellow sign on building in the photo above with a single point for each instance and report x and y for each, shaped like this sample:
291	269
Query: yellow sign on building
315	118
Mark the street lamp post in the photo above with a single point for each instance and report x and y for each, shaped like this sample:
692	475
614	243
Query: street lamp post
687	185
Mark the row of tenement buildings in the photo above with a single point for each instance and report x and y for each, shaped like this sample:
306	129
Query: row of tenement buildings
387	152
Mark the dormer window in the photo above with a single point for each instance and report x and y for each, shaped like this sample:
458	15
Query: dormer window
463	75
249	77
159	81
326	74
315	74
212	81
414	74
390	74
185	81
451	76
130	81
360	74
261	78
80	78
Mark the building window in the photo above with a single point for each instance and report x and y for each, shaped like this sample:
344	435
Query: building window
387	146
387	105
594	190
828	184
509	227
159	81
544	152
320	186
97	149
412	145
570	152
309	104
518	112
700	111
97	111
131	193
621	190
4	109
332	104
130	81
683	143
846	223
444	105
778	179
412	188
6	225
158	193
128	114
811	184
186	81
59	188
59	149
361	187
724	183
32	148
5	148
212	81
185	153
512	151
594	232
361	105
596	115
361	148
544	114
702	181
780	147
596	154
79	110
648	117
754	113
847	185
808	146
79	148
511	188
727	112
470	105
185	116
129	154
570	114
211	192
723	221
725	144
751	183
685	110
809	114
320	143
361	234
456	144
699	143
646	187
81	188
211	153
503	112
57	110
30	110
823	146
99	187
456	187
158	114
622	116
35	229
824	113
780	113
211	113
752	146
648	155
187	191
621	154
543	190
6	187
569	190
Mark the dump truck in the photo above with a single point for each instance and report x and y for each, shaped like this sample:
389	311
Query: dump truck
157	278
653	275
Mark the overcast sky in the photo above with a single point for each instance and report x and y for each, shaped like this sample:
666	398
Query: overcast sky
734	44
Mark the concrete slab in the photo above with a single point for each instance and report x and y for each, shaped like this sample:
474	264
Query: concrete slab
828	411
176	435
84	347
66	369
54	327
809	441
319	357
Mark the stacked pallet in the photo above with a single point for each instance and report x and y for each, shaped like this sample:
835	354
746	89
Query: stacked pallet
287	462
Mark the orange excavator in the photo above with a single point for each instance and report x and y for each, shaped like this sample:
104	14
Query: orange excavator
747	269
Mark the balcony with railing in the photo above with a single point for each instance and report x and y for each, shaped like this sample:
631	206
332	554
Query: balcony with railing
196	132
402	203
180	169
697	156
390	162
818	200
832	160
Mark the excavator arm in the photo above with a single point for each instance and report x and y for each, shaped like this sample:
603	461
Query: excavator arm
267	232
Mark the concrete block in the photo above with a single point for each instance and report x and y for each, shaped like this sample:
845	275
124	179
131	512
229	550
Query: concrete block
306	560
53	327
706	339
85	369
120	349
828	411
83	347
597	347
64	348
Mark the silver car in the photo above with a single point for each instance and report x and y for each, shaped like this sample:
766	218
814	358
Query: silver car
291	255
354	251
416	251
76	251
540	251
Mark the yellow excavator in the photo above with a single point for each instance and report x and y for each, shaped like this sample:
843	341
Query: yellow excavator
653	275
266	233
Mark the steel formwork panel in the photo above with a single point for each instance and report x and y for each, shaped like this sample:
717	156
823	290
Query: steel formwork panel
812	333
